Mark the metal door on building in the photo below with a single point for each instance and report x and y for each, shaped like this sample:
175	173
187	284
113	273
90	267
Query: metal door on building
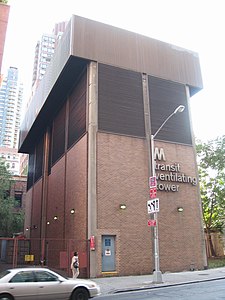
108	253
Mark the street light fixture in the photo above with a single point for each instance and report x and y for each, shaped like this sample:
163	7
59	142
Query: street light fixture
157	274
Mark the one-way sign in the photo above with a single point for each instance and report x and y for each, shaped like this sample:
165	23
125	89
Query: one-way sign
153	205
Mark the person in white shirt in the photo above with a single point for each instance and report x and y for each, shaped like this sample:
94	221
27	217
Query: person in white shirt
75	265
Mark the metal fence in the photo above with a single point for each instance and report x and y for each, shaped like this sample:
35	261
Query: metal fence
53	253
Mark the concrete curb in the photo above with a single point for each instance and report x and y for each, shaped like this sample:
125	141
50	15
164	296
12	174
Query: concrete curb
162	285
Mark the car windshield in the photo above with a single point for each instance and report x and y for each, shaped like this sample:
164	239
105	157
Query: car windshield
4	273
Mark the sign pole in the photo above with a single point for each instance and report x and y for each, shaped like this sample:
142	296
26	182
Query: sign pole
157	274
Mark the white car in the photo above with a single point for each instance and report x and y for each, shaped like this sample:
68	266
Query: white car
44	284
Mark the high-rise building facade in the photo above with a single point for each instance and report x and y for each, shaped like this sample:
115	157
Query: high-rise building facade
12	159
44	51
4	16
11	98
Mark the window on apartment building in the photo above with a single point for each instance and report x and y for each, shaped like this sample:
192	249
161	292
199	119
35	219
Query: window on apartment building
6	194
18	198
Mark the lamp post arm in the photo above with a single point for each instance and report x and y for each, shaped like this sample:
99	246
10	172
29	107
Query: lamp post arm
154	135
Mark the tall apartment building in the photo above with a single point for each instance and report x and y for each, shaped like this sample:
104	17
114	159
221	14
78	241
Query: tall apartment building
44	51
11	97
4	16
12	160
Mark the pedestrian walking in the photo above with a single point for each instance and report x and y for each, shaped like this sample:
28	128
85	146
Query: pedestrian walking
75	265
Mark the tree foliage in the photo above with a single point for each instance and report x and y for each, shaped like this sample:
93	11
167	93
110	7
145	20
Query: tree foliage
11	218
211	166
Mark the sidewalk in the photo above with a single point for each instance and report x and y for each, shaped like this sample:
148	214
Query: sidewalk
110	285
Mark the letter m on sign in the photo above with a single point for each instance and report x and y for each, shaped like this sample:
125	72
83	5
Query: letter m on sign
159	154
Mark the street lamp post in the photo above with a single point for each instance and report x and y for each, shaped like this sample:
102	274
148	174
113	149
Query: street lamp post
157	274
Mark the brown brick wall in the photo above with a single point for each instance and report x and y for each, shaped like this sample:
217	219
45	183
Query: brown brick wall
36	210
28	207
76	191
180	233
122	177
56	199
67	189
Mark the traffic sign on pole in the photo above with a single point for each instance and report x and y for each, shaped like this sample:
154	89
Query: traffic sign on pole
152	181
153	192
151	222
153	206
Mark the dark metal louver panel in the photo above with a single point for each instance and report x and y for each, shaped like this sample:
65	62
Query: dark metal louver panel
77	111
38	160
58	135
30	177
120	106
165	97
50	150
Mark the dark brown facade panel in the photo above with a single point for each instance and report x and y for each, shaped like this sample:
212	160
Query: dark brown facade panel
120	98
31	169
58	135
77	111
34	125
76	115
135	52
165	96
83	41
39	160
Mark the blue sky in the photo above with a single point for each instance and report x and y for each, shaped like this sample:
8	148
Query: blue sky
197	25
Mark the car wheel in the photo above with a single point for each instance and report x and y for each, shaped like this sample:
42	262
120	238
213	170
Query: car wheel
80	294
6	297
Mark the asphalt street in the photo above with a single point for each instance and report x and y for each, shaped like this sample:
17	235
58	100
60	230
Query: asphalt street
122	284
204	290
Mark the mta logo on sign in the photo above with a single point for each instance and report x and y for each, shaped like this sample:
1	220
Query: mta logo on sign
159	154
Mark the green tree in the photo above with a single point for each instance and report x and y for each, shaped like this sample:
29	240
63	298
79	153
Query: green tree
11	218
211	165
